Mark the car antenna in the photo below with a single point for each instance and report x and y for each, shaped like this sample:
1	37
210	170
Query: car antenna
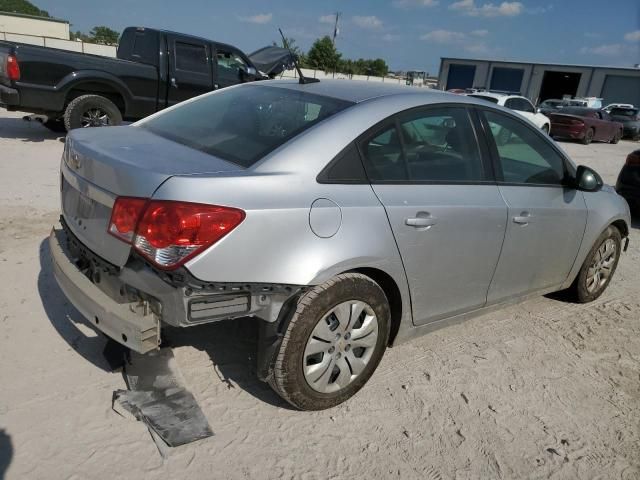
301	78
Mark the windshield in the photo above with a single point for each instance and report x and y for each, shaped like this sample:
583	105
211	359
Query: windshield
243	124
624	112
483	97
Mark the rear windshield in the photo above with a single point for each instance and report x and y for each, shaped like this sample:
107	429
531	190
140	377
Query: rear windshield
626	112
488	99
243	124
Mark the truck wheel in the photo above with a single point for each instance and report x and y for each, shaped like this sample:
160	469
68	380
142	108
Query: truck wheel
599	267
333	343
55	125
588	137
91	111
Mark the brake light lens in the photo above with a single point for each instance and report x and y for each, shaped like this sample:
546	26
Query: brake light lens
633	159
168	233
13	68
124	217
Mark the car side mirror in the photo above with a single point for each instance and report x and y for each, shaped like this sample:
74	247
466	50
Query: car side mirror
588	179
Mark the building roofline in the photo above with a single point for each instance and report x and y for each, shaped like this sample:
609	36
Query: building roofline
33	17
550	64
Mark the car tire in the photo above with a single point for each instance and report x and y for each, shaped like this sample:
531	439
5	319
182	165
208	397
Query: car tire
55	125
325	357
616	137
597	267
588	137
91	111
545	128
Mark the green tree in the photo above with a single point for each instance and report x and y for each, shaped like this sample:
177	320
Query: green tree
379	67
104	35
22	6
323	55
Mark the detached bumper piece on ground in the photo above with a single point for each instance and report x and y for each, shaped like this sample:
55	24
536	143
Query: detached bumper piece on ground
157	397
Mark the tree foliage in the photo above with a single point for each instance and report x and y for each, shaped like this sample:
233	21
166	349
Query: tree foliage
323	55
99	34
22	6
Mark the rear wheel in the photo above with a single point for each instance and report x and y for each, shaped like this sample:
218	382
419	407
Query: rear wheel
599	266
588	137
91	111
616	137
333	343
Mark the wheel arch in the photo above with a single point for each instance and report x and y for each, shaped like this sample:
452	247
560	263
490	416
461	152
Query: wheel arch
391	290
96	83
621	225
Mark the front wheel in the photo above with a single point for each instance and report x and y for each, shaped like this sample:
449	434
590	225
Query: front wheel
333	343
91	111
599	266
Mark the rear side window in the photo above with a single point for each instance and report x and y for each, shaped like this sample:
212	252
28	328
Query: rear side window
524	155
345	168
433	145
243	124
519	104
191	57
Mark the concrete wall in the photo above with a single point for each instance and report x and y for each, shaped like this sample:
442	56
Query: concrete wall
307	72
41	27
592	79
83	47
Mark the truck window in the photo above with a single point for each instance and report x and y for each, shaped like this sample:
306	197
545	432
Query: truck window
191	57
145	46
229	65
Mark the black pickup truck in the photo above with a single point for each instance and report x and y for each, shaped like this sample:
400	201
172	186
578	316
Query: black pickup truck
154	69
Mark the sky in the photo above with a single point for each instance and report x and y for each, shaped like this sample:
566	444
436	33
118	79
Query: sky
408	34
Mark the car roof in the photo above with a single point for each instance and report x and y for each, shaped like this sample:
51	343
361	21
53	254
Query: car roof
357	91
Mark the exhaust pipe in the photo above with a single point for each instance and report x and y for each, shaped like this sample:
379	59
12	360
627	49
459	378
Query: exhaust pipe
37	118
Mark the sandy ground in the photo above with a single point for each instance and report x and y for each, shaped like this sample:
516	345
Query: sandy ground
545	389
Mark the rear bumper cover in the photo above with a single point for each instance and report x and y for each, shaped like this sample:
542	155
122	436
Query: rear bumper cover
118	321
567	131
9	97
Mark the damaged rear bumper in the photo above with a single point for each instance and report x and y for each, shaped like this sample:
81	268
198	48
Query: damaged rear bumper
117	320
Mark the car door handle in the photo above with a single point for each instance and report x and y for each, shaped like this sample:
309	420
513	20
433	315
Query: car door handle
421	222
523	219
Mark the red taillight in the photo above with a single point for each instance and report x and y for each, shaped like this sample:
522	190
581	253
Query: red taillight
124	217
168	233
633	159
13	68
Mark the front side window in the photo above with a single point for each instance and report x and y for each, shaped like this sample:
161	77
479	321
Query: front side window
191	57
434	145
230	64
243	124
525	156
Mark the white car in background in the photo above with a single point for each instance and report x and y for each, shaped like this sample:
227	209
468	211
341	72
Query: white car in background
519	104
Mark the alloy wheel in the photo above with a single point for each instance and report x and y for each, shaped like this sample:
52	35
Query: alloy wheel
340	346
602	265
95	117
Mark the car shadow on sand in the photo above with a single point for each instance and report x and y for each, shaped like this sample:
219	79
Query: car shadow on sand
33	131
231	345
6	452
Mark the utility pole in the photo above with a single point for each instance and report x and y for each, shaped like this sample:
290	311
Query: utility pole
335	28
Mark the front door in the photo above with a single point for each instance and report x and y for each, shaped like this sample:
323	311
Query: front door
447	215
546	218
190	69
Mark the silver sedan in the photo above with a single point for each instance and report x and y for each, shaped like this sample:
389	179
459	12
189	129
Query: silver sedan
346	216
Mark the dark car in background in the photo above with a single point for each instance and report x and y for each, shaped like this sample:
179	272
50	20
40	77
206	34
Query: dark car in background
154	69
550	106
628	184
585	124
629	117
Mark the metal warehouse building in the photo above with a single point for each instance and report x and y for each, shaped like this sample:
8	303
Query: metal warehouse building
540	81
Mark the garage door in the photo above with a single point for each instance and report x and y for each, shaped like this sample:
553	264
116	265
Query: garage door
621	89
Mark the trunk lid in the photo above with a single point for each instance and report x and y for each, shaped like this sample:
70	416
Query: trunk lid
101	164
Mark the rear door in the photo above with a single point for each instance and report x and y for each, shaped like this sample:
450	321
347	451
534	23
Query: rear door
190	68
446	212
546	218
